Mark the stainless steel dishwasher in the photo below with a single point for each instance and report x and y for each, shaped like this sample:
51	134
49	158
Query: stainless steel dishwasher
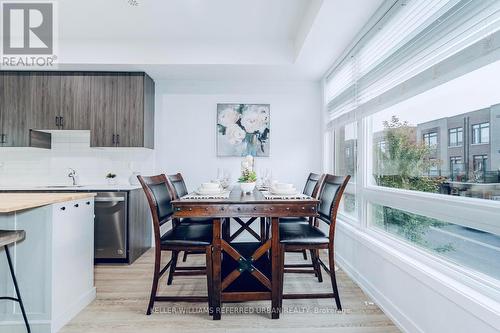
110	230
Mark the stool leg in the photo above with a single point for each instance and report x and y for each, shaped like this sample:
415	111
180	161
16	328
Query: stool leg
18	294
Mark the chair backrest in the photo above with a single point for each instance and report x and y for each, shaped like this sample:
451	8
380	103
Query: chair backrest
330	194
159	194
178	184
311	184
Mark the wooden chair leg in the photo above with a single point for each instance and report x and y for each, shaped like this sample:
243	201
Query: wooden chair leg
210	284
304	254
175	256
282	275
185	256
316	265
331	262
156	277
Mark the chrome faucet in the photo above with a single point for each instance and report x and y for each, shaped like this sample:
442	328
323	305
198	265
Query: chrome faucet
72	175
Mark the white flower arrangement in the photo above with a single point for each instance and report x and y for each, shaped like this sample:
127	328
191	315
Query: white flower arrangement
246	124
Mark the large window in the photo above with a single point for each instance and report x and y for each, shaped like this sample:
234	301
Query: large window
346	160
481	133
464	246
427	149
412	156
455	136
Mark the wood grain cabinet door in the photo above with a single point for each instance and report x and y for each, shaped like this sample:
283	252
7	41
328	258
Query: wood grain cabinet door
45	103
75	102
103	106
15	104
130	110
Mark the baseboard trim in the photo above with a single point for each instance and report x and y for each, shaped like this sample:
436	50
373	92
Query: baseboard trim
401	320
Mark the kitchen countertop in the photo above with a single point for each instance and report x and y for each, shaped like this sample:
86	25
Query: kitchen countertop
11	202
61	187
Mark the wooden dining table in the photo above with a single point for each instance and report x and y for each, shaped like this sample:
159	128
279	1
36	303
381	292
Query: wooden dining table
245	271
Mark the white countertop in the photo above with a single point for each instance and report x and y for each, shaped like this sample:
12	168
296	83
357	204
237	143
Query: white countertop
59	187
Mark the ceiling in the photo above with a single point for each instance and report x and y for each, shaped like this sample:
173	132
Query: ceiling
209	39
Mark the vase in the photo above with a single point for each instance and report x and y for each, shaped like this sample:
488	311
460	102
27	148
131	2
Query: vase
247	187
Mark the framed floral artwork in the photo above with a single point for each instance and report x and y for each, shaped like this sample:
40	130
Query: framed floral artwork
243	129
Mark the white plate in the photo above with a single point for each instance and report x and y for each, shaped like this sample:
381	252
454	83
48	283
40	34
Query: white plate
291	191
209	192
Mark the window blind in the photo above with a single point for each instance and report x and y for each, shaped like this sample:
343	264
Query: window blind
412	36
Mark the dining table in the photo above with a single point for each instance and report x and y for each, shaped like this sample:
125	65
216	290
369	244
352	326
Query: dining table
245	270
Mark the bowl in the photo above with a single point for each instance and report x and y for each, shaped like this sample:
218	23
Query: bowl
210	186
283	186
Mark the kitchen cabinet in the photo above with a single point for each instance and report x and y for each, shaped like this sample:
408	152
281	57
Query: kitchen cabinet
75	102
14	107
54	264
118	108
122	110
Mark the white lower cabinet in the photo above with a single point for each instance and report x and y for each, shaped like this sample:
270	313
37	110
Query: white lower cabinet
54	265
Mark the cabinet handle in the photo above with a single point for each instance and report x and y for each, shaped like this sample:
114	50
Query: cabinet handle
62	122
113	139
57	121
87	203
118	139
63	208
4	138
77	205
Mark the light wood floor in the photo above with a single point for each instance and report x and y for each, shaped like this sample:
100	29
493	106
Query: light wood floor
123	292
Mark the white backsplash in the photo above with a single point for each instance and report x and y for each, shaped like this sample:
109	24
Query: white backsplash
32	166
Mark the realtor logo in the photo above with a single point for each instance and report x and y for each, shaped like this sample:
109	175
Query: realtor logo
28	30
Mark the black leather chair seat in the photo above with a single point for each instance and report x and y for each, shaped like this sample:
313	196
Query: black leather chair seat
294	220
196	220
188	235
300	233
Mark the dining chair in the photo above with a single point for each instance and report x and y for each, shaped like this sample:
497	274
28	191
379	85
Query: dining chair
180	190
299	236
181	237
311	188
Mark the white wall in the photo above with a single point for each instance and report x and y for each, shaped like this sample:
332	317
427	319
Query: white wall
186	128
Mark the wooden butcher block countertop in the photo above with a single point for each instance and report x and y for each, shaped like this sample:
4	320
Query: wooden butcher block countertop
11	202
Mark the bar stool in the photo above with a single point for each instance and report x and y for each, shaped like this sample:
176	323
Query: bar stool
9	237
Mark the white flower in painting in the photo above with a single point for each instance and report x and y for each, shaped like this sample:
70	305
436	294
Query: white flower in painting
255	119
228	117
235	134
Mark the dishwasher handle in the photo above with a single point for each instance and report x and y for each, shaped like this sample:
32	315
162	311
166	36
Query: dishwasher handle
109	199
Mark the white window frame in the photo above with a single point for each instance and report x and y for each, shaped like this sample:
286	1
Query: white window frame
469	212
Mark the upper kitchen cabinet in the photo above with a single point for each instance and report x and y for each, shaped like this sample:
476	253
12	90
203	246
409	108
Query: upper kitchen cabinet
60	101
75	103
44	113
118	108
122	110
14	107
